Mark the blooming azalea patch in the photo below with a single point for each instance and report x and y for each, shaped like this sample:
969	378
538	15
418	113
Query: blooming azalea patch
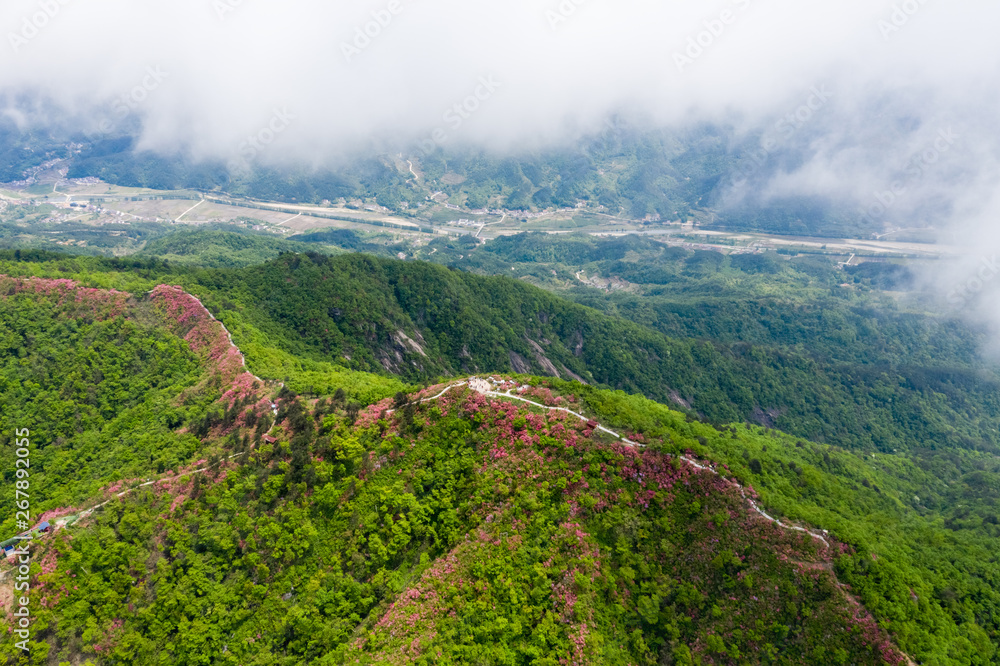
722	567
68	294
474	528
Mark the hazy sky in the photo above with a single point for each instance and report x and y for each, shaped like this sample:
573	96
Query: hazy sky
879	96
226	66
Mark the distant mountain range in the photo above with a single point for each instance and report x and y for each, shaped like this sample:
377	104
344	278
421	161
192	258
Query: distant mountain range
646	175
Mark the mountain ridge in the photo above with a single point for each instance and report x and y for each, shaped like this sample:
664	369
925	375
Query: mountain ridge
802	483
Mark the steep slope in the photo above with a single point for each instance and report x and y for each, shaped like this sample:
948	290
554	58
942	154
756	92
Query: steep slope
422	321
82	369
116	386
462	529
336	532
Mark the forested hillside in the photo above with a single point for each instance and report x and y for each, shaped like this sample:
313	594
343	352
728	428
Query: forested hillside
867	379
357	310
482	529
111	379
75	365
853	327
223	248
432	531
500	334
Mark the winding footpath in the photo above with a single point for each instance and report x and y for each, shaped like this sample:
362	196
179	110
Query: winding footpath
487	387
229	336
62	521
243	360
480	386
483	386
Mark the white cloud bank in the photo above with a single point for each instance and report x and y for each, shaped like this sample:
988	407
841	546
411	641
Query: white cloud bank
392	69
906	117
325	79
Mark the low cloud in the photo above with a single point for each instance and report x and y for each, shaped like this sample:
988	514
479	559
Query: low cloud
848	100
391	69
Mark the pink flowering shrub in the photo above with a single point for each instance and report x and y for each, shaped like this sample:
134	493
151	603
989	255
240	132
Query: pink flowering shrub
477	529
730	568
244	387
541	394
77	300
373	413
52	514
111	636
188	318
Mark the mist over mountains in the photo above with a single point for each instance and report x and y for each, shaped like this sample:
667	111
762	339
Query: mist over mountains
200	76
857	116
